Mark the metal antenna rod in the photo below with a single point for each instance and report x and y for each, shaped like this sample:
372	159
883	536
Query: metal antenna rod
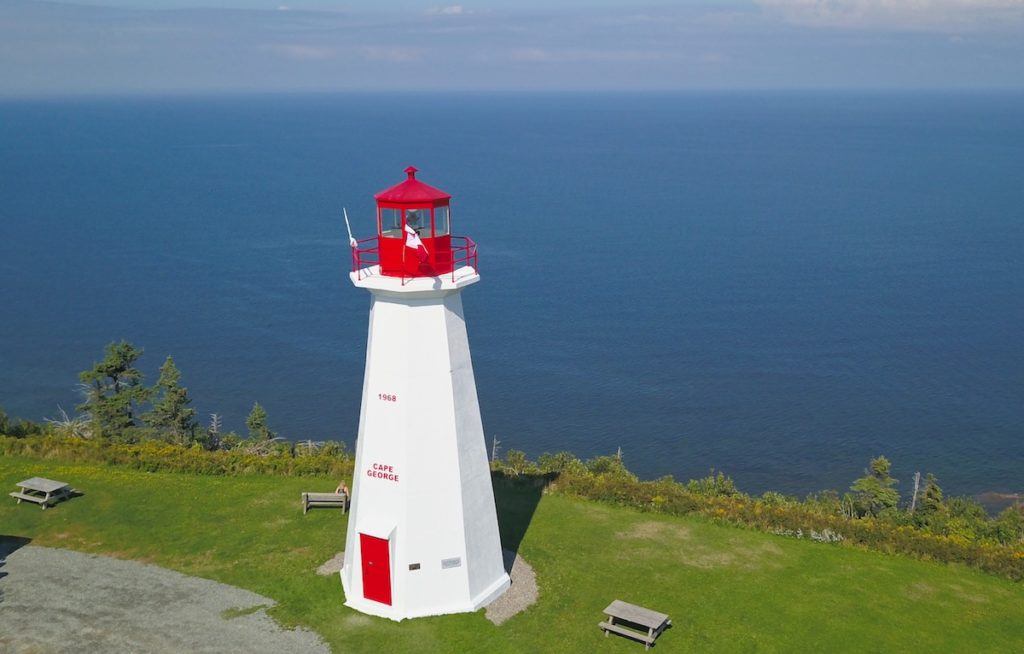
351	240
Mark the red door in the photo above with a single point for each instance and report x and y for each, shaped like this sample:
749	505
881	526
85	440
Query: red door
376	569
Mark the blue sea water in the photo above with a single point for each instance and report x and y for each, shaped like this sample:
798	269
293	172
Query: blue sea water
777	285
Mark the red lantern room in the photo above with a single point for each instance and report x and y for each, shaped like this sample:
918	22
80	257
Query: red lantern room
409	210
414	236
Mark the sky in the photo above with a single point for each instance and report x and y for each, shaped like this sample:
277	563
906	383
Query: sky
188	46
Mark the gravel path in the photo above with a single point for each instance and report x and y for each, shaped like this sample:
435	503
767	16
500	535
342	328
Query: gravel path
521	595
54	600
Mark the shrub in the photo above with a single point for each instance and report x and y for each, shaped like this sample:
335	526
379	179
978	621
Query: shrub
1009	526
609	465
156	456
714	485
773	498
960	533
991	545
516	464
19	428
559	462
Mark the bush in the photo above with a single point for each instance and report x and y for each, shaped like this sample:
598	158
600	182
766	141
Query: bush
773	498
714	485
995	546
560	462
516	464
1009	526
157	456
608	465
961	532
19	428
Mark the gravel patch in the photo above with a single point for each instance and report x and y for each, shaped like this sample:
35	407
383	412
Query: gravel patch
521	595
54	600
333	565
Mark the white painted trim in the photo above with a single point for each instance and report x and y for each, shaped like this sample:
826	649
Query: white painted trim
371	279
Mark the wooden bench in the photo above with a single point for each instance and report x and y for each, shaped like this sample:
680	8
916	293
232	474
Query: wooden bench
324	499
44	492
634	622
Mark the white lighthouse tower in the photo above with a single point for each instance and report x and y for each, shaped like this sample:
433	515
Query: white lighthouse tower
423	531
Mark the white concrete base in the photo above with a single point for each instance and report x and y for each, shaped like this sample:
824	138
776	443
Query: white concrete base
492	593
384	611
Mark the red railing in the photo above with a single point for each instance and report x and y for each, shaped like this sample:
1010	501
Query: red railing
366	253
464	254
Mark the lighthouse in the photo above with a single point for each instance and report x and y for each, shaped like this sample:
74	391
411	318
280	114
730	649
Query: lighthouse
423	531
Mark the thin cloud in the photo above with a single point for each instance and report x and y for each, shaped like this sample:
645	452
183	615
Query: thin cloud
302	52
450	10
53	48
392	54
898	14
577	55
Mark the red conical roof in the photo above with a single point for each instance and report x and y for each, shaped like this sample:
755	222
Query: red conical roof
412	191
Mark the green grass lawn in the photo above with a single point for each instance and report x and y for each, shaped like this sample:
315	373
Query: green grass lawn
726	589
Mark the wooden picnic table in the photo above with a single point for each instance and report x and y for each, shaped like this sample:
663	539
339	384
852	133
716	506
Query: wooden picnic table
42	491
636	619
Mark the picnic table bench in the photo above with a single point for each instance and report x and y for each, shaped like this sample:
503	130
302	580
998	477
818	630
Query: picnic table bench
44	492
634	622
324	499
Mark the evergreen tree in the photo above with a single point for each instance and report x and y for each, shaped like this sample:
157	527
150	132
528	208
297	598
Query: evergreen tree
257	424
113	388
931	496
875	492
171	414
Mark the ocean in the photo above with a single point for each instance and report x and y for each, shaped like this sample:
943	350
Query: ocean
777	285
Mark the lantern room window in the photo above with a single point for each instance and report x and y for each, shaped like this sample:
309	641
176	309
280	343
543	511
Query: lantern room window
419	220
441	227
391	223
